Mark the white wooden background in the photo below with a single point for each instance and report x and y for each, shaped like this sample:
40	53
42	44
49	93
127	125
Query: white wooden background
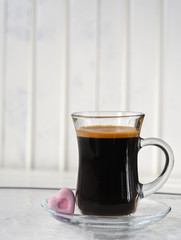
61	56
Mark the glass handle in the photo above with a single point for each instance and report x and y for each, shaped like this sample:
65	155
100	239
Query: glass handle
149	188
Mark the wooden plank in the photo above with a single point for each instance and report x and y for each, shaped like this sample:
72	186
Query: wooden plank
47	112
64	72
2	76
16	83
171	127
145	20
82	66
113	55
31	96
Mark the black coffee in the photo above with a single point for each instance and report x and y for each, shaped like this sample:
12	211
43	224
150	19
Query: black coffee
107	179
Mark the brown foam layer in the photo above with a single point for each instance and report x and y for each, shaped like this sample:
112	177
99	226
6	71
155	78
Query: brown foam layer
107	131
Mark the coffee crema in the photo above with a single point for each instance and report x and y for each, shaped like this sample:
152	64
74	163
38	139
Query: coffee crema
108	159
107	131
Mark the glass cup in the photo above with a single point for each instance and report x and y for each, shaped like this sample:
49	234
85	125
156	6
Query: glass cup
108	181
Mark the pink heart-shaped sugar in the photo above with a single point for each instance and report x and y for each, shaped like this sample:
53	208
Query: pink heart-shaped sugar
63	202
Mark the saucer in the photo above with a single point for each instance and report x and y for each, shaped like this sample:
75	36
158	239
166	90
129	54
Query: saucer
148	212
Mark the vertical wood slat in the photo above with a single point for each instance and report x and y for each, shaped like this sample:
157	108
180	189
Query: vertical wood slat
126	55
158	71
64	78
144	38
16	84
30	147
3	23
171	128
111	59
158	81
49	67
97	85
38	125
110	54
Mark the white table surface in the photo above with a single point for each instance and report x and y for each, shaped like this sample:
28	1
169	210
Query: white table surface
22	217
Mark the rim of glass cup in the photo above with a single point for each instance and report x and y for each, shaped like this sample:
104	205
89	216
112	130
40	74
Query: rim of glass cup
106	114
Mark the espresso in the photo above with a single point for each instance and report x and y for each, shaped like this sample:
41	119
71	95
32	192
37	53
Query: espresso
107	179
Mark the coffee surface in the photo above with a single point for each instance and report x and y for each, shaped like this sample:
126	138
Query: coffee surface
107	179
107	131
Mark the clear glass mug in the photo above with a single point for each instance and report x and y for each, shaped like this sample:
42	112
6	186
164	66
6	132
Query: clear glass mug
108	180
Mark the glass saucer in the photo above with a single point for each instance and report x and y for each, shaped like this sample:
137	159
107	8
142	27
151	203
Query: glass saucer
148	212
